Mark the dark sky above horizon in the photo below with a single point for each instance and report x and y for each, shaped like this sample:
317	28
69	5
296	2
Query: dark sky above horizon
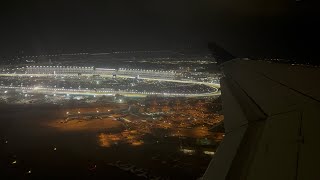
243	27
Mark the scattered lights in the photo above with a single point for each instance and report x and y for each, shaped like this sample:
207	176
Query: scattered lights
187	151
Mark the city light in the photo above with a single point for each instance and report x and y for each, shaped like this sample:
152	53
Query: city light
122	107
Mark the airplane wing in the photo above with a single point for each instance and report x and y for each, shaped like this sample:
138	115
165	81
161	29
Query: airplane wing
272	122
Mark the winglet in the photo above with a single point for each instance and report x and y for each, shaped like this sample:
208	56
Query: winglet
219	53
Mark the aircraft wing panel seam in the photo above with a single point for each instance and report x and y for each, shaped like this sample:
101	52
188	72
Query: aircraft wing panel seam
297	91
250	98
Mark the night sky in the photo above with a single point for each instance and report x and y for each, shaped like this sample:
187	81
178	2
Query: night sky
246	28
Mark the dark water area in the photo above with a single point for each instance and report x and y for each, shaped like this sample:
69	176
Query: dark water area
31	149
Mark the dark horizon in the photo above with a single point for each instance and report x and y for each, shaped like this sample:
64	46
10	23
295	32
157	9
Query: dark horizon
279	29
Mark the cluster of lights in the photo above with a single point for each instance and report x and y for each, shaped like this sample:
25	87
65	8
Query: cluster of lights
143	70
121	52
75	67
78	90
42	55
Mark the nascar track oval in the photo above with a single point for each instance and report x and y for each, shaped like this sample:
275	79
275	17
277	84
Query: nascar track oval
215	86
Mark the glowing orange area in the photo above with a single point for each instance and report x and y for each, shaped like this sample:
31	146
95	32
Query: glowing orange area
103	140
126	137
137	143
